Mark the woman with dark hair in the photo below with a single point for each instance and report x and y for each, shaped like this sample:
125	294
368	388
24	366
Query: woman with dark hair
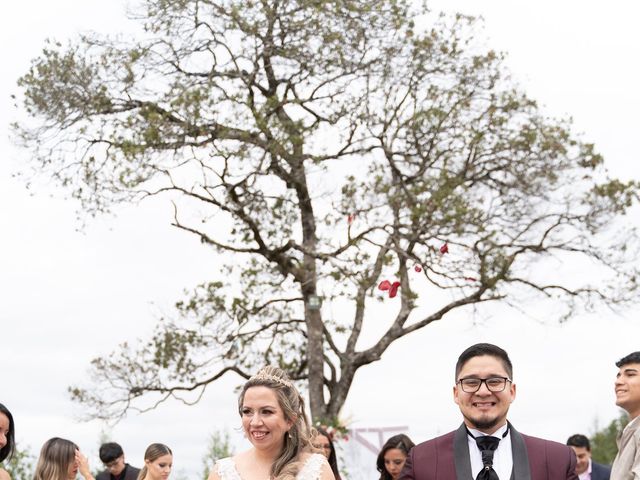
158	461
61	459
275	422
392	456
322	441
7	439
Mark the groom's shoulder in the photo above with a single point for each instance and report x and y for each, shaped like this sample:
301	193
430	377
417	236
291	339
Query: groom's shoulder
549	447
434	444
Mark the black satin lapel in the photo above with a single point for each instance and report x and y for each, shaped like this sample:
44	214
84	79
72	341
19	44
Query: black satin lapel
461	454
521	469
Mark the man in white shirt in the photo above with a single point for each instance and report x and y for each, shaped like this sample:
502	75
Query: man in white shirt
626	465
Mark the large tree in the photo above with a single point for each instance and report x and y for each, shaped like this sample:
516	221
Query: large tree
322	147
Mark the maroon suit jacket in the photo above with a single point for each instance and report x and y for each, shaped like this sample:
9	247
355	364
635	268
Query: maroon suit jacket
447	458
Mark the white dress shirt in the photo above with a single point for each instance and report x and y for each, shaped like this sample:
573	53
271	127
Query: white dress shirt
502	456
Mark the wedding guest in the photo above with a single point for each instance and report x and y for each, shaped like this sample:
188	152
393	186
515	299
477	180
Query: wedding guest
275	422
322	441
586	468
7	439
116	468
61	459
158	462
486	446
392	456
626	465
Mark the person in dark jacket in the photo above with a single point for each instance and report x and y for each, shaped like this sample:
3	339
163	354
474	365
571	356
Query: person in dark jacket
585	465
112	457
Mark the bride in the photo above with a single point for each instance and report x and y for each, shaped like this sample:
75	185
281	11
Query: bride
274	421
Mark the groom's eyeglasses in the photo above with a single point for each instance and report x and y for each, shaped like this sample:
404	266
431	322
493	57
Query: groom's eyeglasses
494	384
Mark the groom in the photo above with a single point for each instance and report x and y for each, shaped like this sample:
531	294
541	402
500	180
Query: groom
487	446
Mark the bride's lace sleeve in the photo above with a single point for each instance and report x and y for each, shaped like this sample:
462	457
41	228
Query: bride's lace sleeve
226	469
312	467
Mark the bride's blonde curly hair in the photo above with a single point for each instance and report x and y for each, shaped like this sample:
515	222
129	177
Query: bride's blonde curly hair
287	465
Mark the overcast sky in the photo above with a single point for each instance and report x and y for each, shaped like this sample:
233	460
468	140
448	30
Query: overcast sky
67	296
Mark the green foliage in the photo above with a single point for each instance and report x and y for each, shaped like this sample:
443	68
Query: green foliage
218	447
269	124
22	464
603	441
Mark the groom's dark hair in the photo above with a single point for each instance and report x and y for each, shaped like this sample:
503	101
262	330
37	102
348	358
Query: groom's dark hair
480	349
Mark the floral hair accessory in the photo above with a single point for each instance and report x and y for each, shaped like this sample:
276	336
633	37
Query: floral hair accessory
264	374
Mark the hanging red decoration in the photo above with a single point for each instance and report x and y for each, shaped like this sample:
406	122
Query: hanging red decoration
393	291
392	288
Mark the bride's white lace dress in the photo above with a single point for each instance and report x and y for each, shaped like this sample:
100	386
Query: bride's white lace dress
311	470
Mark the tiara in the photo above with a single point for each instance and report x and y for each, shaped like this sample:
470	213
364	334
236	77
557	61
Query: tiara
272	378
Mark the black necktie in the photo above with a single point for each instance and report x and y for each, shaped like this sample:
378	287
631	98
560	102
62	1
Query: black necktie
487	445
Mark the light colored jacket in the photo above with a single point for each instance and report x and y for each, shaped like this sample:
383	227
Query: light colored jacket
626	465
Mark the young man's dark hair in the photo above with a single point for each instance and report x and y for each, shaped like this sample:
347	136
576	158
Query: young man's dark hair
631	358
480	349
110	451
112	456
579	440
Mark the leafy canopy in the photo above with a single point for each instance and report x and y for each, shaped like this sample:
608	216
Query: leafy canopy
322	146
